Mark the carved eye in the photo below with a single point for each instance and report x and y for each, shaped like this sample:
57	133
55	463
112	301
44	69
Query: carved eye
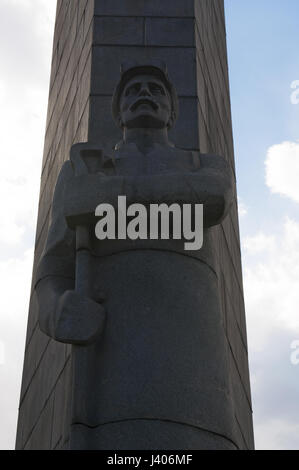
133	89
156	89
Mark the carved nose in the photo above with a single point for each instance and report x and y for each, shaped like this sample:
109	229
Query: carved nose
144	92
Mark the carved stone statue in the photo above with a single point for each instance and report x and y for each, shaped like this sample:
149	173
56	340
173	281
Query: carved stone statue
143	316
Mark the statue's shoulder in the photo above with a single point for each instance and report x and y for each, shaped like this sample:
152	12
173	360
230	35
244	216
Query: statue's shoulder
65	174
90	158
66	171
214	161
191	157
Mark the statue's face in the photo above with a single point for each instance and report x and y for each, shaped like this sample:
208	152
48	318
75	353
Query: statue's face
145	103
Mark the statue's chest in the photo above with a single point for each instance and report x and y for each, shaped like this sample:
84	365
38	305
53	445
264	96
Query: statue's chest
135	164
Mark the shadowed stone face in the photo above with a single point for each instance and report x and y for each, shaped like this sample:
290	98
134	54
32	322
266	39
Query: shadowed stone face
145	103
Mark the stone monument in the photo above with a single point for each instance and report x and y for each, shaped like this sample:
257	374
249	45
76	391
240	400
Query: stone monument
144	345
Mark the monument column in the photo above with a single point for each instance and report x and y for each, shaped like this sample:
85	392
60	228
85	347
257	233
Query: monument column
92	38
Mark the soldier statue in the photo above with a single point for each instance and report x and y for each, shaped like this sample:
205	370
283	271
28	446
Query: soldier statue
143	316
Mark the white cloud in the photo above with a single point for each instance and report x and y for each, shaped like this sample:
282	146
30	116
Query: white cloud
272	281
271	284
242	208
279	435
260	243
15	289
26	29
282	169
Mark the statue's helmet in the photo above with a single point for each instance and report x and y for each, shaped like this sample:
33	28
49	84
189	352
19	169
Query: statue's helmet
155	68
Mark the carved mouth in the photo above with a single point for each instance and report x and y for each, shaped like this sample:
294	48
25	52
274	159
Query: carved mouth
146	102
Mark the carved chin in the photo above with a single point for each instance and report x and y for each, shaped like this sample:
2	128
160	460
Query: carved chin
145	121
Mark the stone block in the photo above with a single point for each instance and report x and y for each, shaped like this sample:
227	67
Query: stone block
40	438
175	8
242	408
118	31
107	61
61	405
169	32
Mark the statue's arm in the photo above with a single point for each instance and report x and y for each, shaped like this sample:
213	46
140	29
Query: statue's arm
211	185
63	314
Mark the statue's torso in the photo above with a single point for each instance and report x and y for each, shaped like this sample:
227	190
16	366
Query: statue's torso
158	159
163	321
128	160
161	358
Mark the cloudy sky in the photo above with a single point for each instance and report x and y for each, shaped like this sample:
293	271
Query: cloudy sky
26	31
264	65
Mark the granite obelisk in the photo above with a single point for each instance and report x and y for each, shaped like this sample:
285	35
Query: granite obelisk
92	38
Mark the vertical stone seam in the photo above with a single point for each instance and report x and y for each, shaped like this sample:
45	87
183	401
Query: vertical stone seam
145	31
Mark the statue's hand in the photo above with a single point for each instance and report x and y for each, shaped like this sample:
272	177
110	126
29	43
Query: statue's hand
79	320
84	193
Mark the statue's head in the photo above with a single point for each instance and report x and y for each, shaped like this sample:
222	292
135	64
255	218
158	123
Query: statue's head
145	97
